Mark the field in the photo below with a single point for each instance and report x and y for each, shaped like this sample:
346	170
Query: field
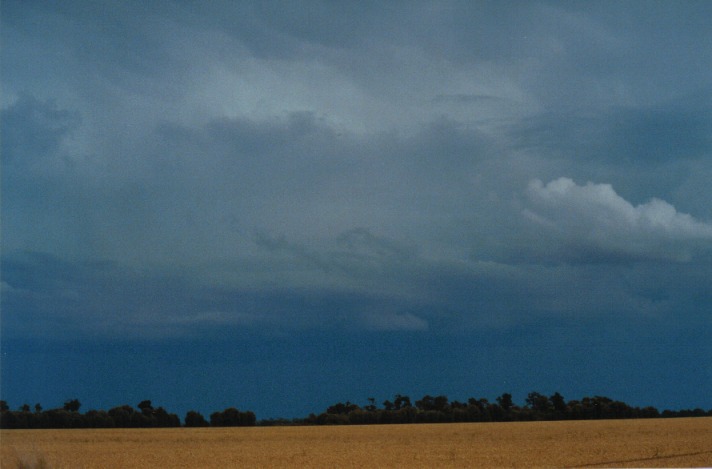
604	443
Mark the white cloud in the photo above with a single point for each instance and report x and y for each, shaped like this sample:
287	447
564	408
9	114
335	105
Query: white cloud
595	216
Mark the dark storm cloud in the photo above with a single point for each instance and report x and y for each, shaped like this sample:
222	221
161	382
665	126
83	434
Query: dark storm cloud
34	130
280	165
622	137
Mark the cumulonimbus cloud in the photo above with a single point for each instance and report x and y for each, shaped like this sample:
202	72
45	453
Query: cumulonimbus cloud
595	216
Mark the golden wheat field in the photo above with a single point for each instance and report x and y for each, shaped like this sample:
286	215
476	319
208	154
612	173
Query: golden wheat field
683	442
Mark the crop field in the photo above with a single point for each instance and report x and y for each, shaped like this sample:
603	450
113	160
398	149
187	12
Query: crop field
685	442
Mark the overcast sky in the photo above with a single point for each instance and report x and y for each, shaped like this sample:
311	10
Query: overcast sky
409	176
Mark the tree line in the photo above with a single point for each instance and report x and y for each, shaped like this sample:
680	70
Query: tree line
537	406
428	409
145	415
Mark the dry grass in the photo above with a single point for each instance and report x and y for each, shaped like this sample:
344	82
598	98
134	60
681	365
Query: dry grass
606	443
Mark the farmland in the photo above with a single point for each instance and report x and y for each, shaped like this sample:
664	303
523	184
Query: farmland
601	443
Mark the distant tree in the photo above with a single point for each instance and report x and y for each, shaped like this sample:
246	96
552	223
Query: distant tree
195	419
122	416
341	408
557	401
426	403
38	408
651	412
72	405
371	407
472	402
98	419
538	403
161	418
25	408
401	402
231	417
145	407
496	413
60	418
4	407
332	419
7	420
618	410
457	405
216	419
440	403
505	401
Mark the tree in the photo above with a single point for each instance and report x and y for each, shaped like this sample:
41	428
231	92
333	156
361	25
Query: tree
440	403
195	419
341	408
161	418
505	401
98	419
122	416
72	405
426	403
401	402
538	402
557	400
231	417
4	407
145	407
38	408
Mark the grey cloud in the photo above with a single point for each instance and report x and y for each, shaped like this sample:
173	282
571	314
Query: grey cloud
56	298
359	165
48	296
362	242
664	145
462	98
33	132
110	49
622	136
284	286
301	178
386	321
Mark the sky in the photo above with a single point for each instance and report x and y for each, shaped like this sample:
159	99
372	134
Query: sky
279	206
